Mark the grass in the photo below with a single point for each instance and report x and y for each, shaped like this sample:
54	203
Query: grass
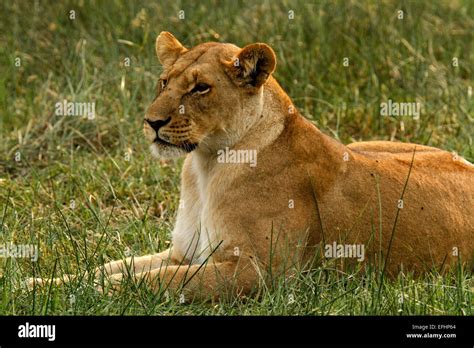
88	191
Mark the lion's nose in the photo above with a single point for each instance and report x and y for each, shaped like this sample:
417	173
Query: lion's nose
156	125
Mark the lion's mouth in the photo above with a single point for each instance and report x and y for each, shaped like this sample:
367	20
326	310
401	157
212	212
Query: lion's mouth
186	146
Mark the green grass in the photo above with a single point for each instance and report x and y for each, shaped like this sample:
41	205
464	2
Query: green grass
124	201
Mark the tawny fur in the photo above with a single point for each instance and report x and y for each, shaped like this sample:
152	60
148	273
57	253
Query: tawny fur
307	189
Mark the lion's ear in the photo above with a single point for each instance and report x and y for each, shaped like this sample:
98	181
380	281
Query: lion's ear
168	48
253	65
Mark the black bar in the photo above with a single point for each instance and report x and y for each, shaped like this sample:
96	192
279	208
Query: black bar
191	330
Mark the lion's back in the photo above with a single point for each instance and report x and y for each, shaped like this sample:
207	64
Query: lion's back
427	157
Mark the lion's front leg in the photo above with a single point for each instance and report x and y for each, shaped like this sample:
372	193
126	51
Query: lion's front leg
134	265
203	282
140	264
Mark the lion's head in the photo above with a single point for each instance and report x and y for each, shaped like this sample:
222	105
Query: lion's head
207	96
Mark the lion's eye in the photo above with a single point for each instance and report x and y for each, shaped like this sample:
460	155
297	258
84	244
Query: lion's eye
163	83
201	88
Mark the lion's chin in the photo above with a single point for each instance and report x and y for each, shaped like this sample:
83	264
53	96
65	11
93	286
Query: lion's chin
161	151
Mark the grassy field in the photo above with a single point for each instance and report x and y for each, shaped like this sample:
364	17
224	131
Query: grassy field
87	190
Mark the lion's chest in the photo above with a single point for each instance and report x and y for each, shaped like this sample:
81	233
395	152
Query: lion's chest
194	233
197	231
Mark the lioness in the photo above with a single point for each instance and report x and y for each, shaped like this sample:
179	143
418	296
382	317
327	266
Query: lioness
410	204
